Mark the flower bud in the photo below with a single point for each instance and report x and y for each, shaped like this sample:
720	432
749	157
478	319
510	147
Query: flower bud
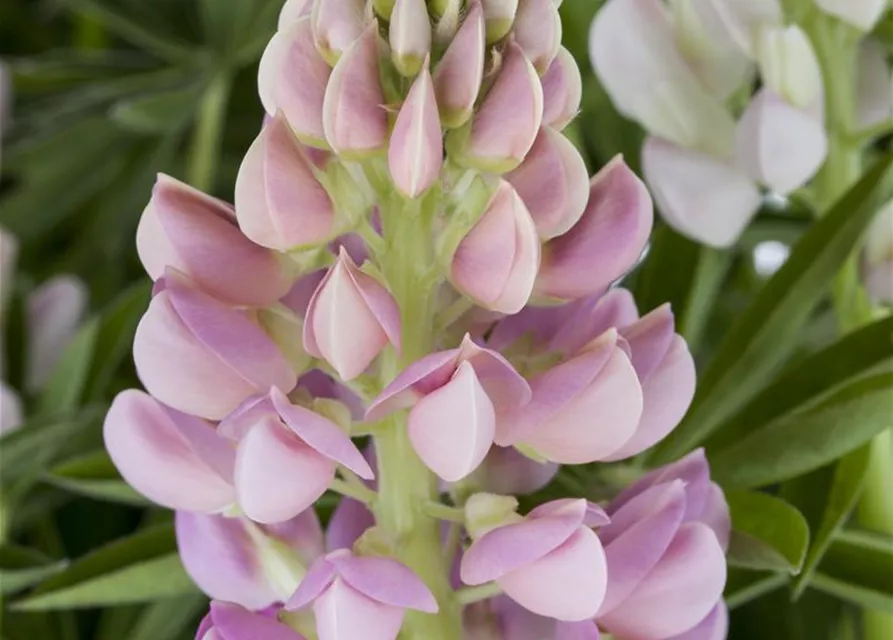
458	76
583	409
254	566
516	96
878	257
537	30
279	202
862	14
551	562
199	356
174	459
54	312
778	144
284	445
351	318
562	90
607	240
228	621
415	152
500	16
497	262
354	120
788	65
410	35
553	182
185	229
701	197
292	78
360	596
292	11
455	396
336	25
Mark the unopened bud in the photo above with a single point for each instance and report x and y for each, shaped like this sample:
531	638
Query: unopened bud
486	511
538	31
458	76
336	25
500	16
410	35
415	155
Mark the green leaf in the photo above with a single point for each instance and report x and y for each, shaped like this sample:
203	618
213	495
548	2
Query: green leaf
858	568
766	333
65	388
95	476
743	585
767	533
143	567
21	568
161	112
168	618
839	500
810	438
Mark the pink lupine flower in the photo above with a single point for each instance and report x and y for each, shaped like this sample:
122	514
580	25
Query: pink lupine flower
500	16
279	202
281	444
518	93
233	560
553	182
172	458
415	151
360	597
537	30
292	78
409	33
562	90
455	396
458	75
228	621
551	562
350	319
292	11
607	240
496	263
354	119
336	26
200	356
665	552
183	228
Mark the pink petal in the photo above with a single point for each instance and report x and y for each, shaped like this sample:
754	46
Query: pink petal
292	77
319	577
606	242
147	444
322	435
778	144
638	536
303	534
232	621
409	34
415	151
277	475
692	469
279	202
700	196
354	120
54	311
297	299
452	428
505	386
562	90
336	25
458	76
678	593
292	11
342	613
385	580
553	182
591	317
507	472
221	558
348	522
650	338
537	29
714	627
716	515
418	379
577	631
568	583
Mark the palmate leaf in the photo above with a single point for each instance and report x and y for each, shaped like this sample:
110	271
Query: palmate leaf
768	330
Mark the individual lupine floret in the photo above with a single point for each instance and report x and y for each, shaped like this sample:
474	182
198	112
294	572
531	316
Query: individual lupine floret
665	552
562	90
279	201
350	319
409	33
458	75
500	16
496	263
227	621
455	396
336	26
360	596
292	11
537	29
550	561
505	471
255	566
183	228
202	357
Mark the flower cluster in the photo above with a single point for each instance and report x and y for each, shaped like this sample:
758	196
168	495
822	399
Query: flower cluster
685	70
416	255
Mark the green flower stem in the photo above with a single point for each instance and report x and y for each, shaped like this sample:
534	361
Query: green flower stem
836	47
205	152
405	485
351	490
444	512
470	595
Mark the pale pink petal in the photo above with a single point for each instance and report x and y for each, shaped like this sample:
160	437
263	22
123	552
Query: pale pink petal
590	317
458	76
714	627
716	515
577	631
562	90
303	534
415	150
292	11
233	622
418	379
700	196
343	613
319	577
537	29
567	584
649	339
348	522
384	580
409	34
270	458
500	15
336	25
147	445
54	311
